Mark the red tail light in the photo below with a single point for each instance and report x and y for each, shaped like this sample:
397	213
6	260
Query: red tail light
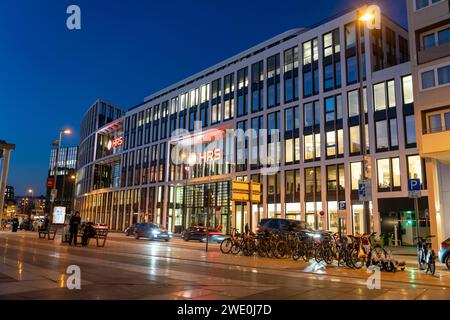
444	245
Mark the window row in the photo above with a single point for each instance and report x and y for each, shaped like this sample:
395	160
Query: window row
439	76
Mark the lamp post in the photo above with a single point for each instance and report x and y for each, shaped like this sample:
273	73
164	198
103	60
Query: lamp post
74	180
58	147
369	17
31	191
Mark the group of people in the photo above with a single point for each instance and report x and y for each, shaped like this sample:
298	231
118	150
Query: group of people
74	226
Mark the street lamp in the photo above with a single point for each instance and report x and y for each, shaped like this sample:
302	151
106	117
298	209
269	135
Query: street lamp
31	191
370	17
74	180
58	147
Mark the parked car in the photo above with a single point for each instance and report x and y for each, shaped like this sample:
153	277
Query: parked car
130	230
199	233
214	236
444	253
151	231
283	225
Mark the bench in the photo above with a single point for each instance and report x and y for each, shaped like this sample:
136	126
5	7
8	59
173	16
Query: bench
100	236
50	232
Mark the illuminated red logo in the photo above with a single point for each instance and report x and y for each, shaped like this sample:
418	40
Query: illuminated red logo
115	143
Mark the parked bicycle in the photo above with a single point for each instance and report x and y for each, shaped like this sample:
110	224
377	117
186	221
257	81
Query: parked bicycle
425	254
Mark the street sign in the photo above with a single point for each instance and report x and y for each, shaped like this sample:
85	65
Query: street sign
414	188
342	213
255	191
240	191
365	190
50	182
53	195
59	215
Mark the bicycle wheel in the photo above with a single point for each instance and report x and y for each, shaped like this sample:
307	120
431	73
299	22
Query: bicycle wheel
432	268
421	259
248	249
226	246
296	251
318	254
236	248
328	256
341	257
354	258
280	249
260	249
348	257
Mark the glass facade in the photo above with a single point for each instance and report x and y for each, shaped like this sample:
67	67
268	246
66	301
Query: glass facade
314	154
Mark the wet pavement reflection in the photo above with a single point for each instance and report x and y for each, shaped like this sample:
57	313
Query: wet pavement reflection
138	269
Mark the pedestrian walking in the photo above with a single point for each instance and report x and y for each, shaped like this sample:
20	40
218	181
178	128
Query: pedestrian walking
15	224
74	224
247	229
46	222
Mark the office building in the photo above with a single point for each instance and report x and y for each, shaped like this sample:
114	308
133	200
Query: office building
303	83
429	36
66	176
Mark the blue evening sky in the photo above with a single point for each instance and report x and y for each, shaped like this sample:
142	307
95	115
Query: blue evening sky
125	51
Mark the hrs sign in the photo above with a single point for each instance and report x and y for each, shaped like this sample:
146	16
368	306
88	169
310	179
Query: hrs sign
205	157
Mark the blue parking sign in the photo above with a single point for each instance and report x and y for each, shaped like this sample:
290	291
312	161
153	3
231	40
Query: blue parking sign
414	185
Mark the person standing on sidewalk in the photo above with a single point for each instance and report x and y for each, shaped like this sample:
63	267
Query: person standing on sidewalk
73	230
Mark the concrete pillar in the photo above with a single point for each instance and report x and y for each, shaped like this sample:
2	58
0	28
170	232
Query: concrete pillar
4	178
439	200
165	207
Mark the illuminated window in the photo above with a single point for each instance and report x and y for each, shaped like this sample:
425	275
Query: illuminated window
382	135
309	147
355	140
389	177
415	168
310	68
356	174
384	174
228	97
291	74
331	144
408	93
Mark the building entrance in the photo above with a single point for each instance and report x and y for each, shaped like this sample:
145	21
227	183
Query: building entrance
203	205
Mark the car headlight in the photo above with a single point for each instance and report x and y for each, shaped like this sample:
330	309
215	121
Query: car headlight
156	232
